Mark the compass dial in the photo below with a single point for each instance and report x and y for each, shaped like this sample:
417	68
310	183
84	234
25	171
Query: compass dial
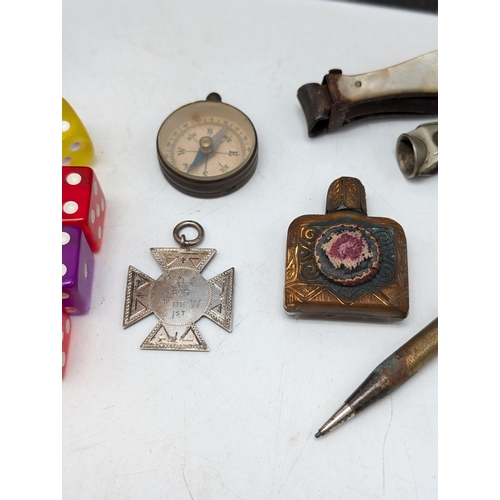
207	148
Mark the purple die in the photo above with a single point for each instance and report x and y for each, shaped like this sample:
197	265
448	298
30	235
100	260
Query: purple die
77	270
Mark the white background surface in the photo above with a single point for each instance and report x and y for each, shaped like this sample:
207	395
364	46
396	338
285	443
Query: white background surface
239	422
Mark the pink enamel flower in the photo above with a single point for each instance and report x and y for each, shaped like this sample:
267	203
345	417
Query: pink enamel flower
347	254
348	248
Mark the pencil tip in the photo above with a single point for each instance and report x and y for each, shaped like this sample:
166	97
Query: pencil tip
345	412
318	434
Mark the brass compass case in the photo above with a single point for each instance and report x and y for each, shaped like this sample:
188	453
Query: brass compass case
207	148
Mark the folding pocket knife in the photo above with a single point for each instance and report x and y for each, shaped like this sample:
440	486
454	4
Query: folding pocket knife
406	89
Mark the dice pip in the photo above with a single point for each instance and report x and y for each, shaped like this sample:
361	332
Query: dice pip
66	330
77	147
77	270
83	203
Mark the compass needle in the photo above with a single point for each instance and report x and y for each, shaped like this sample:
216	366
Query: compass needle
198	159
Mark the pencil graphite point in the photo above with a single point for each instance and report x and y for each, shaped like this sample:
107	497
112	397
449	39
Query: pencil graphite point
345	412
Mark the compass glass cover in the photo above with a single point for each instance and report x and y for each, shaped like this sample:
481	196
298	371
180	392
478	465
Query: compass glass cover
206	140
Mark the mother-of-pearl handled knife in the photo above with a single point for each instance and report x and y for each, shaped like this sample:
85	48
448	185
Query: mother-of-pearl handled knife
406	89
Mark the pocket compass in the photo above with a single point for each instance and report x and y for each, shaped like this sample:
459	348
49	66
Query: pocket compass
207	148
180	296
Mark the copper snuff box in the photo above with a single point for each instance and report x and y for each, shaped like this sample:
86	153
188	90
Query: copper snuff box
346	265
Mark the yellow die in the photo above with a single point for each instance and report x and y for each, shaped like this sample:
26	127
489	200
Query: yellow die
77	147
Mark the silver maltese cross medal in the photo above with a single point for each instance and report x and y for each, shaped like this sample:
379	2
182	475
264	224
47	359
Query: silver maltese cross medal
180	296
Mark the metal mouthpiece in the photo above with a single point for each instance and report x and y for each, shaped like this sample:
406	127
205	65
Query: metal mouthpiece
417	151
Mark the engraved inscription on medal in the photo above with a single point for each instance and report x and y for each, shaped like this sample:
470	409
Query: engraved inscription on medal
179	297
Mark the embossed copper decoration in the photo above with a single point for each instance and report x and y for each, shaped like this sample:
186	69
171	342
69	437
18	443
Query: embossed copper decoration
180	296
345	264
417	151
406	89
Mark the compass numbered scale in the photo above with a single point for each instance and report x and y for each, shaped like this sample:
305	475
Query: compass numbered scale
207	148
